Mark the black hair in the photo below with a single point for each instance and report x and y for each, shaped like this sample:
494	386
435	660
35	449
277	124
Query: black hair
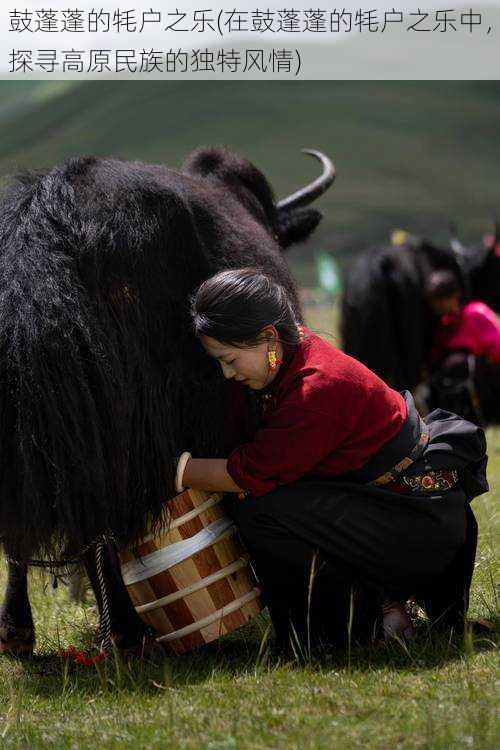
442	284
235	305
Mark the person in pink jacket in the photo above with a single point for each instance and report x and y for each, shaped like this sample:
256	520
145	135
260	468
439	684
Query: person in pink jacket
473	327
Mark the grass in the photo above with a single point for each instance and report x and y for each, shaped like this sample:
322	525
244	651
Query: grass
416	154
436	693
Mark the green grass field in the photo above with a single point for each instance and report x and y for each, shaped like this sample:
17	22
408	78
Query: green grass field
416	154
435	693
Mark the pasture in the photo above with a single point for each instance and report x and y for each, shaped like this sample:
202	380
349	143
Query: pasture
434	693
398	147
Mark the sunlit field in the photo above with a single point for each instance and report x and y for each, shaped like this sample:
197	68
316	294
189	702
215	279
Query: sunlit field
437	692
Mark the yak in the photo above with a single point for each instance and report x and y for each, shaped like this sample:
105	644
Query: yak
385	319
102	382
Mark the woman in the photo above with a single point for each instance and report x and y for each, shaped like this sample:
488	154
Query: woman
472	327
345	498
464	362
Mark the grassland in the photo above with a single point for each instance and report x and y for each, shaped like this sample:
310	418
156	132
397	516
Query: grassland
416	154
437	693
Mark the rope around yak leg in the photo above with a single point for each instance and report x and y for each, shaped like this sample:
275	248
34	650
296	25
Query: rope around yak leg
105	619
104	634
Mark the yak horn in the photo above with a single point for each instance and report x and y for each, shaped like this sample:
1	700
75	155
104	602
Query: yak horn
312	191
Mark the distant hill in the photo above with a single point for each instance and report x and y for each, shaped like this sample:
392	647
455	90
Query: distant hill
412	154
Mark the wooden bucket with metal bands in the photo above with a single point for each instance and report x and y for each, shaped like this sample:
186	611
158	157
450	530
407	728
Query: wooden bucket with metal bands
192	581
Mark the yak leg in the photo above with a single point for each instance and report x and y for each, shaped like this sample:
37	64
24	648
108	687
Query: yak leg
17	632
127	629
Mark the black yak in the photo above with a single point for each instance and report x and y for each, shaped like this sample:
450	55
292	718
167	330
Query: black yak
102	383
386	321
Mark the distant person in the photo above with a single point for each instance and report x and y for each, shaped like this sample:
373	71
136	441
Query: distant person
464	363
473	327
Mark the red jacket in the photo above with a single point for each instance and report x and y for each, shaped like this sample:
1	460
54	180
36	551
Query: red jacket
327	415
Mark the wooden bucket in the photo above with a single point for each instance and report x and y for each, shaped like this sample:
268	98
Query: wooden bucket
192	582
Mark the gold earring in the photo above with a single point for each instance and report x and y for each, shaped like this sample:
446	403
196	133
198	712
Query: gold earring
271	358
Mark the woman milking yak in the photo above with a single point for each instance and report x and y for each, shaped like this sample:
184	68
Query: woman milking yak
349	503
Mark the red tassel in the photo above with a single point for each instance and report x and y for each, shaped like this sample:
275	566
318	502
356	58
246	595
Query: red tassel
80	657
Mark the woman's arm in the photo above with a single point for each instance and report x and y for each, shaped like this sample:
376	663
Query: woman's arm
208	474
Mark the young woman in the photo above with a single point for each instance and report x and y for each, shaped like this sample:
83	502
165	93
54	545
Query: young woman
346	499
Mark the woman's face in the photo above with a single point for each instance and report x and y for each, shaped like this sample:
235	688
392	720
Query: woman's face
249	366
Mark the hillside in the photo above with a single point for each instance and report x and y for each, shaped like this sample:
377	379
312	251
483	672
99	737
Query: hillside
413	154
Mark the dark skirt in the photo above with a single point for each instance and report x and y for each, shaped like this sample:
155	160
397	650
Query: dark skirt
328	551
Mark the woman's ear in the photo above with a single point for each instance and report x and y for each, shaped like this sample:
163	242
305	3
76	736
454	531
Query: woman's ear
269	334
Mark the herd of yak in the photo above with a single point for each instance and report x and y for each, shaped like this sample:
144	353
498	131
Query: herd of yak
101	381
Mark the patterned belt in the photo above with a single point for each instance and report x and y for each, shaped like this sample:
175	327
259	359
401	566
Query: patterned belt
432	481
393	474
423	484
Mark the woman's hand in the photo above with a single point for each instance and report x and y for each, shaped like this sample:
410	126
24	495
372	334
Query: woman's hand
208	474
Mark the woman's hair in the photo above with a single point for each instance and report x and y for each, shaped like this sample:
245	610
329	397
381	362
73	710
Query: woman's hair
442	284
235	305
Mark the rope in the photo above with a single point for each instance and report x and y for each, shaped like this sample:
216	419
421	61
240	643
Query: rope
60	563
66	562
105	620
